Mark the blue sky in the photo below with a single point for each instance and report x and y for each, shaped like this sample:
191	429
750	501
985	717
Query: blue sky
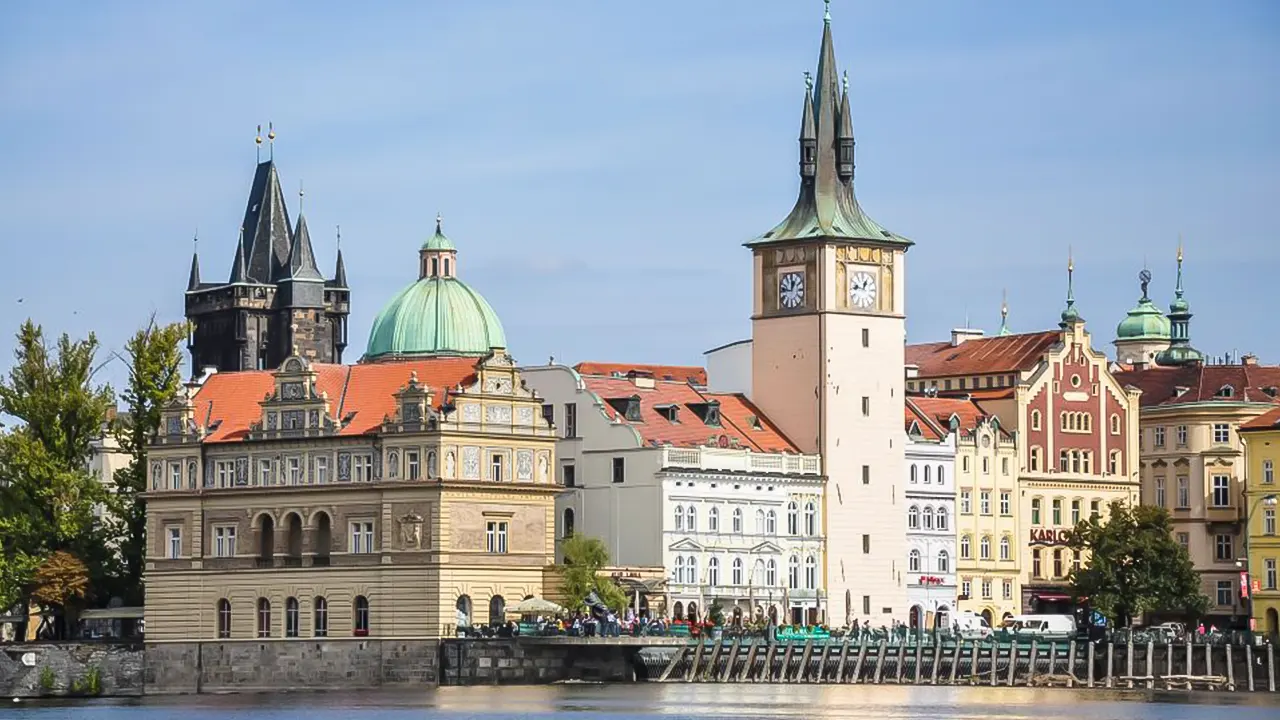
599	164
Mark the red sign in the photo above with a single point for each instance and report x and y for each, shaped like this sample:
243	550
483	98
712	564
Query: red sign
1244	584
1049	536
930	580
1257	585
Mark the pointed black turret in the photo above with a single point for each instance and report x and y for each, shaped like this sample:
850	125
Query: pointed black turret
193	280
339	273
844	138
238	272
808	133
267	235
302	259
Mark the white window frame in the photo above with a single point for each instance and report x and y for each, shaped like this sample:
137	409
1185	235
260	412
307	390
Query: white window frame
264	472
224	541
322	470
173	542
361	467
496	536
361	537
1221	433
413	464
1221	495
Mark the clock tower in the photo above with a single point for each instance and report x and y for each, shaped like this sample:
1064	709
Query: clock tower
828	334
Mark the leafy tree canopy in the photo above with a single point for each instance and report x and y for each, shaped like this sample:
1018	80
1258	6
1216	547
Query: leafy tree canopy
584	558
1134	565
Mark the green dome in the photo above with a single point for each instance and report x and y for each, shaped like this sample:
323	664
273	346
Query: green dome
438	241
1144	322
435	316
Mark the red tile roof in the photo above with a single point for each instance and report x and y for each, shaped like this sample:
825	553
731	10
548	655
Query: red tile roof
1269	420
982	356
1202	383
229	402
679	373
937	412
736	414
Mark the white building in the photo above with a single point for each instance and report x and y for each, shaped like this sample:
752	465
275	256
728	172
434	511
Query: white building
930	512
669	474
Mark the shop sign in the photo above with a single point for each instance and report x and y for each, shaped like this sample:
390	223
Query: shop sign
931	580
1049	536
1244	584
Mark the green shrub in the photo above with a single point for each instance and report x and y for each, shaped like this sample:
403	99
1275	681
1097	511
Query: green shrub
90	684
47	679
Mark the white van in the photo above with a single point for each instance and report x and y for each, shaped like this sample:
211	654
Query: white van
1045	627
970	626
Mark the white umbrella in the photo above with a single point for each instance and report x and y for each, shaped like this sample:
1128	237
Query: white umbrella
535	605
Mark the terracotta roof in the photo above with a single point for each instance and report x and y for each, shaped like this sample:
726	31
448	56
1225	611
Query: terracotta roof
679	373
1203	383
981	356
1269	420
938	411
364	393
689	430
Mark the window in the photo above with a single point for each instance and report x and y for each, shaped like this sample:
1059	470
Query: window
294	466
984	548
1004	548
1075	512
771	574
570	420
866	544
1057	564
942	475
291	617
1221	491
1115	424
866	337
966	587
811	573
1221	433
771	523
1157	437
965	550
1182	436
793	572
913	473
1004	466
1035	419
362	468
360	616
1035	511
810	519
320	610
1184	539
713	520
1268	472
264	472
1006	501
692	513
619	469
1184	492
1095	509
1057	511
984	502
264	618
793	519
713	571
677	573
679	517
224	541
866	604
866	474
927	478
1075	560
1064	461
570	476
413	465
496	536
175	542
737	571
1036	569
926	518
175	476
361	537
224	618
986	588
1270	574
1008	590
944	561
966	502
1160	494
866	406
1224	593
1269	521
964	463
495	467
1224	549
942	518
322	470
1037	458
737	520
986	466
566	527
913	561
226	473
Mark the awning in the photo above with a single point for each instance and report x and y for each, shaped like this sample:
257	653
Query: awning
651	585
1052	597
535	605
120	613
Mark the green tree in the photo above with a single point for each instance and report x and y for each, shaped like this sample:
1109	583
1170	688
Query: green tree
48	497
1134	565
584	558
154	357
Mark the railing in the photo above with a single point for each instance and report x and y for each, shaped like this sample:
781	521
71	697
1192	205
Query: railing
741	460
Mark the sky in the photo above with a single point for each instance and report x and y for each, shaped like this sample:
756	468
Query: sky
599	165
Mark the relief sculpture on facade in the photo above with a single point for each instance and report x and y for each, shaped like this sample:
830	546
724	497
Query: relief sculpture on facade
411	531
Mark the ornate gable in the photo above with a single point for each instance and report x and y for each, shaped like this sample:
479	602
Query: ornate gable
294	408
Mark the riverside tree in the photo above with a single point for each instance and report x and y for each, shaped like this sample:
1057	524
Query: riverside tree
1134	565
584	558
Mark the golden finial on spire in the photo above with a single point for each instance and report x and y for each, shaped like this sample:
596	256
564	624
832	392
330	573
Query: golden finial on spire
271	131
1004	302
271	140
1179	247
1071	262
257	141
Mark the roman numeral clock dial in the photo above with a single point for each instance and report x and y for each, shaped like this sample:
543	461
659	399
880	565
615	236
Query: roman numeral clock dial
791	289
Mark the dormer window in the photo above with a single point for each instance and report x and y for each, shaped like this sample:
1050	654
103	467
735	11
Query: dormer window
1270	391
174	425
914	430
412	412
669	411
627	408
754	422
709	412
1225	391
633	409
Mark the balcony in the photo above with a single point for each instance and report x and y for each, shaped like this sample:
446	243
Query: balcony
1215	514
740	460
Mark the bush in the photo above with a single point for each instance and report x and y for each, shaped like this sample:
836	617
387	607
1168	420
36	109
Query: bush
47	679
90	684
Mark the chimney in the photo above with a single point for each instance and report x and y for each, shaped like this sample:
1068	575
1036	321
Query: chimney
1248	359
960	335
641	378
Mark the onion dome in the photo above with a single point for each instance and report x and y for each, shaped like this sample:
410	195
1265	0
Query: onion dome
1144	321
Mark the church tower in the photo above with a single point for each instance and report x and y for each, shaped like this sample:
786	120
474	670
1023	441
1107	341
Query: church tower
828	334
275	302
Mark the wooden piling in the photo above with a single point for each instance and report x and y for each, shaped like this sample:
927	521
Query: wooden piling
1071	664
973	665
1208	659
862	654
1271	668
1248	661
1013	660
675	660
1090	663
1053	657
747	666
1231	671
709	671
733	660
955	660
1111	649
937	659
995	653
1190	664
1168	664
803	671
880	662
1151	674
697	660
1034	660
919	651
822	664
766	672
1128	659
844	655
902	655
786	662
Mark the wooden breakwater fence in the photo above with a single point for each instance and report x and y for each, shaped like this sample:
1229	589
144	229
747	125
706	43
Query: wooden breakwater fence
938	661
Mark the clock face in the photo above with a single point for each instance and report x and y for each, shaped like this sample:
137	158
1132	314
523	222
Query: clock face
862	290
791	289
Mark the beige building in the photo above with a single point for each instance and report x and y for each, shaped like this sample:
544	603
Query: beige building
396	498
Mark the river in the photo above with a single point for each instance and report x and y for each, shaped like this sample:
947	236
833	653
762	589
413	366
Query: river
688	702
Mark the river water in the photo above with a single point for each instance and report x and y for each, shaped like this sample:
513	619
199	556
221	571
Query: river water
688	702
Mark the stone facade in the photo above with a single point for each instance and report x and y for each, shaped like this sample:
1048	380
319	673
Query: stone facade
40	669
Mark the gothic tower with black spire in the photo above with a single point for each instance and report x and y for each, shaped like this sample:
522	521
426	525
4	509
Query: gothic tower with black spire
275	303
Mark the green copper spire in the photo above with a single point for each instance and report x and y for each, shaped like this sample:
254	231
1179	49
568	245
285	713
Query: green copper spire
1180	351
826	15
1070	315
1004	315
438	241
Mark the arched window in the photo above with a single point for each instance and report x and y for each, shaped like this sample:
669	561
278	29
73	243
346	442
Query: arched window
292	622
811	573
677	611
913	561
984	548
965	549
691	571
760	522
264	618
1035	419
942	522
497	610
926	518
927	477
942	475
913	473
793	518
793	572
692	512
320	611
713	572
810	519
737	571
713	519
224	618
463	611
679	517
567	525
360	616
1115	424
678	574
737	520
944	561
771	523
771	573
913	517
1004	548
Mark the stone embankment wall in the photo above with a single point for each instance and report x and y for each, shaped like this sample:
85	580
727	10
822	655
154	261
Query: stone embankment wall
88	669
511	662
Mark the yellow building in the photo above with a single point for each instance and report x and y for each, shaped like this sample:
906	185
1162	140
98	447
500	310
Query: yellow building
396	498
1261	438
